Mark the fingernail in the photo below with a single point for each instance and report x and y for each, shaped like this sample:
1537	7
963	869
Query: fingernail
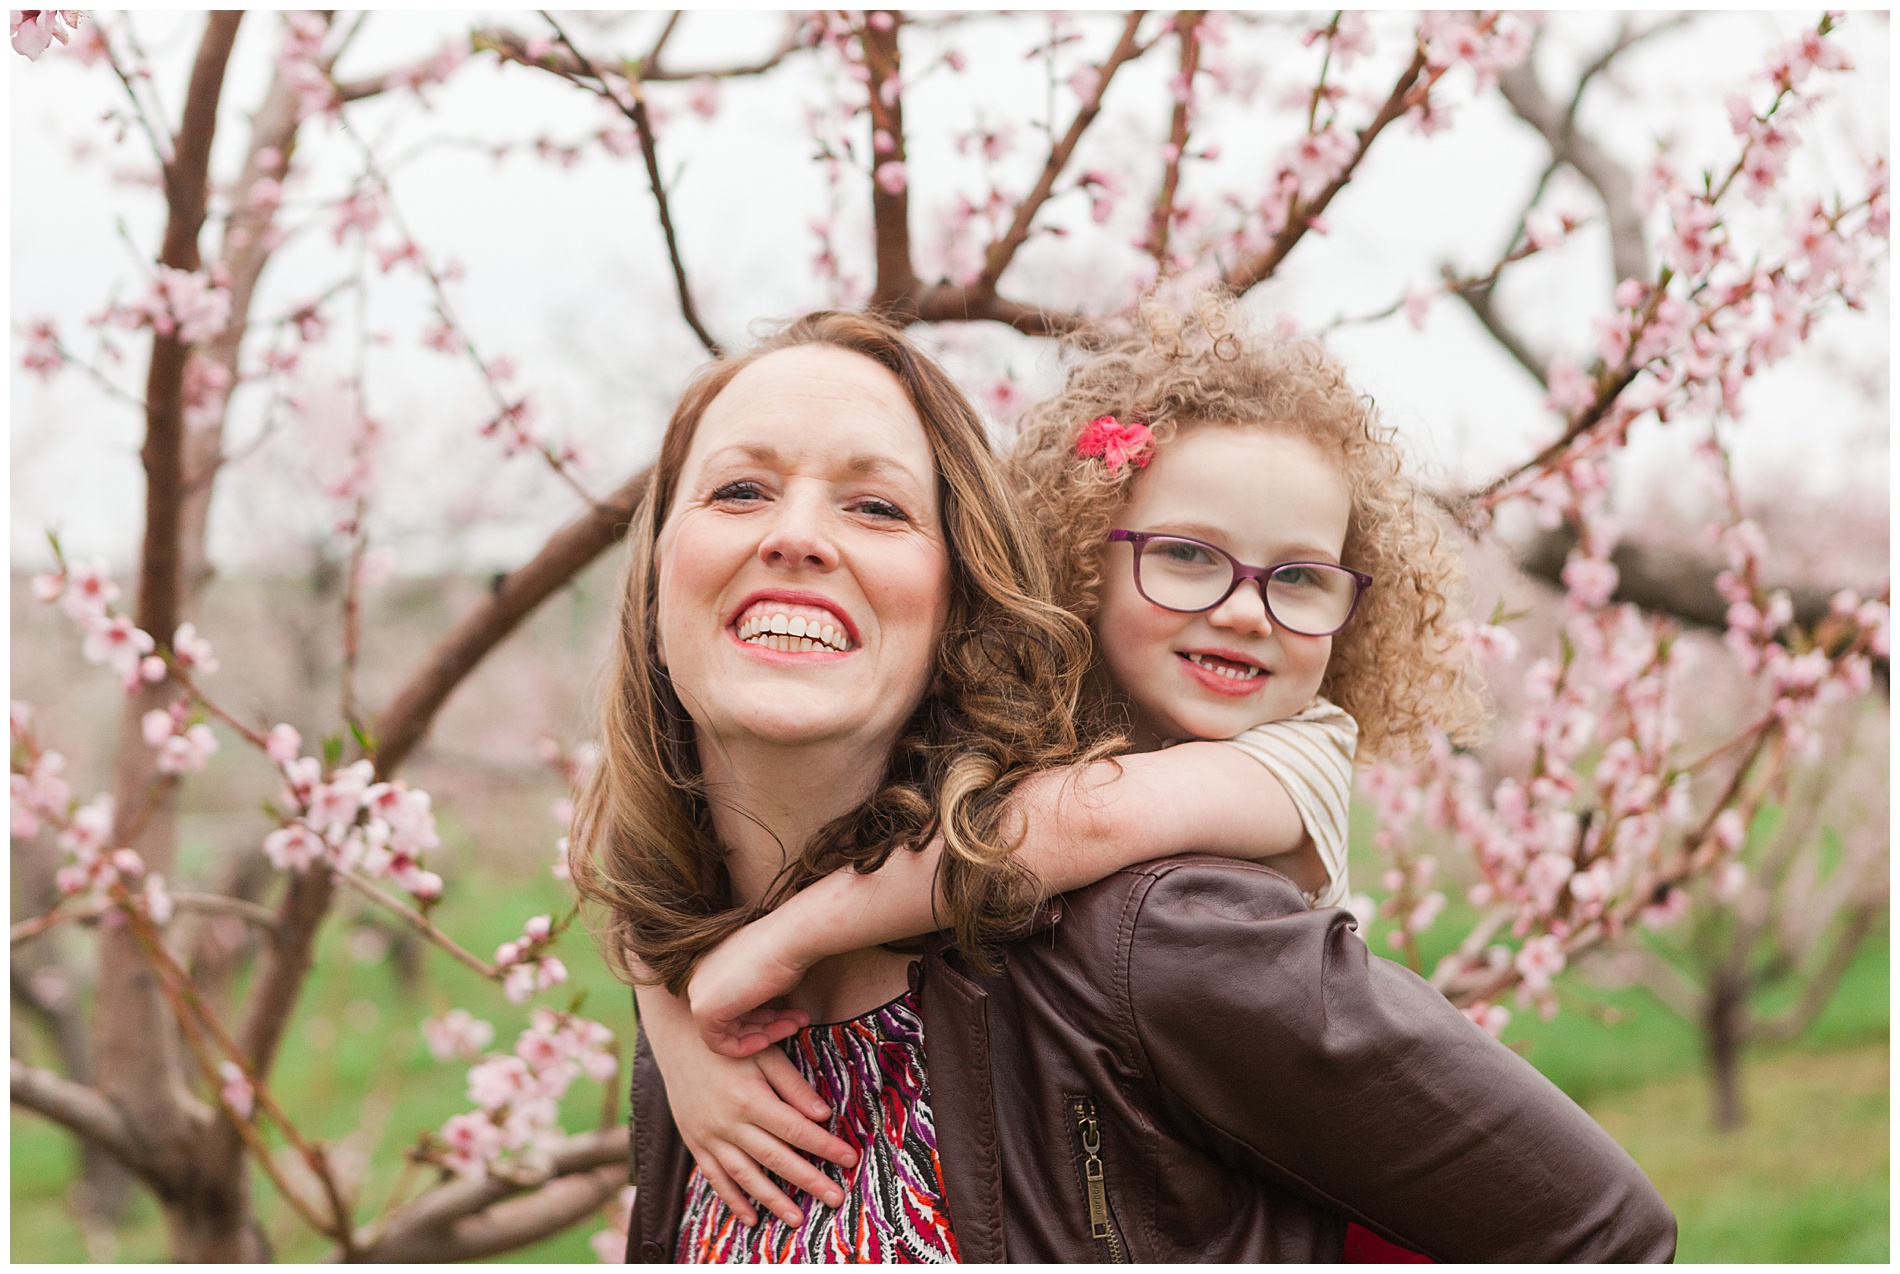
820	1110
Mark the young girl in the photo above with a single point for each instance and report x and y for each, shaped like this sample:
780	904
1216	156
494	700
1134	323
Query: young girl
1266	590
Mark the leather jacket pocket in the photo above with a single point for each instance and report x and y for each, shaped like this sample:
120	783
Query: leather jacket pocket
1085	1130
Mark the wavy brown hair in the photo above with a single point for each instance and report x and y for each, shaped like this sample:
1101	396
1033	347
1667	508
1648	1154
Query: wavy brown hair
1000	705
1398	668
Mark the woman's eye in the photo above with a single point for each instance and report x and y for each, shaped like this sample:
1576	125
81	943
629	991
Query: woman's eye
881	509
742	490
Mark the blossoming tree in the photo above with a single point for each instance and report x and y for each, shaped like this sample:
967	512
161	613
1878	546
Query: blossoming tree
1723	264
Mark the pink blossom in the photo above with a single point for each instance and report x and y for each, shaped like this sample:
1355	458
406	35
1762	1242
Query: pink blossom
281	744
495	1082
703	97
457	1033
440	336
473	1141
1540	960
1416	304
891	177
35	30
1591	580
538	928
183	304
158	900
42	355
360	212
89	589
518	983
1317	158
1491	1018
293	848
114	640
560	868
1729	881
236	1089
189	752
193	651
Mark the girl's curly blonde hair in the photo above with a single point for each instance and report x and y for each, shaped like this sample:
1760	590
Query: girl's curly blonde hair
1399	667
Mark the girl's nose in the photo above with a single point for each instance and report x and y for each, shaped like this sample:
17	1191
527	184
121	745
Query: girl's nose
1244	611
800	536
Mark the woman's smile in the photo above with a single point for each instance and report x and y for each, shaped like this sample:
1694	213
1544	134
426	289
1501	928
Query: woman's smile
788	623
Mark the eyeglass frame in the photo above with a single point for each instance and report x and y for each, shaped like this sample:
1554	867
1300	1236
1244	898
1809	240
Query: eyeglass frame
1260	575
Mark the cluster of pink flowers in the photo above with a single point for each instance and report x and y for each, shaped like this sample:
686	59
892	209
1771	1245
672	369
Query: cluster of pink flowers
40	794
517	1095
301	62
184	746
351	821
610	1244
35	30
526	967
87	591
186	304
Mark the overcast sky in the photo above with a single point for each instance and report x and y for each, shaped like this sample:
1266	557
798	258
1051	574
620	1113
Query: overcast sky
566	273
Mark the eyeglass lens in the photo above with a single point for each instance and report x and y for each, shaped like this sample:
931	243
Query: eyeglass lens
1185	575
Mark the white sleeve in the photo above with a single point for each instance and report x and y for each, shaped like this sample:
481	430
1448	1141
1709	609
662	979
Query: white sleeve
1311	755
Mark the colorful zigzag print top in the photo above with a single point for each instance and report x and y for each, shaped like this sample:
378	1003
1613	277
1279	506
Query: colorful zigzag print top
871	1072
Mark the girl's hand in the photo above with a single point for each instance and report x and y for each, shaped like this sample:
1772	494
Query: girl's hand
742	1118
732	983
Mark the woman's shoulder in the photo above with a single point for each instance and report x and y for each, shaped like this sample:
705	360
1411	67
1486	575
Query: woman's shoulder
1178	893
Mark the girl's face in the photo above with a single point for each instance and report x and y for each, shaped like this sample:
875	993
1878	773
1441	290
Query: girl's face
1266	497
803	577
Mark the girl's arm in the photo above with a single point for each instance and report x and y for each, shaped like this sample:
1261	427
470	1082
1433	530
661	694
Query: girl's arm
1079	825
740	1118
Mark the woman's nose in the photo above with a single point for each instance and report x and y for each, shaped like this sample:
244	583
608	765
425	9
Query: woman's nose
1244	611
800	537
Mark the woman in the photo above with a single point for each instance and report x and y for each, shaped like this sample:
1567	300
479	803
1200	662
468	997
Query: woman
833	644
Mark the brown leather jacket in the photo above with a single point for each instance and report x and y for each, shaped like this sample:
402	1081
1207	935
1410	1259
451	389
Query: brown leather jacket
1186	1064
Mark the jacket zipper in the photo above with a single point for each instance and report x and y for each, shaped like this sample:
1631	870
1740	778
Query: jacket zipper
1095	1178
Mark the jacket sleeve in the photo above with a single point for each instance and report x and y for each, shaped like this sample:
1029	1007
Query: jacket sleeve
1288	1050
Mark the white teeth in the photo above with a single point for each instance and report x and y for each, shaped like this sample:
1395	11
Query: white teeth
792	633
1233	674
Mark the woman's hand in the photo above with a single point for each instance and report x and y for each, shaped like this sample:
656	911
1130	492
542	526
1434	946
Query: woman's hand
741	1118
735	979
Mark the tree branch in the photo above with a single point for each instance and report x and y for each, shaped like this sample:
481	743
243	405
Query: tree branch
1187	26
401	725
1521	88
1256	270
1003	251
1479	299
944	303
895	288
1820	987
512	47
468	1218
79	1109
636	110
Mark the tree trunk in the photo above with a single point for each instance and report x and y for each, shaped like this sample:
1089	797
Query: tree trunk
1722	1031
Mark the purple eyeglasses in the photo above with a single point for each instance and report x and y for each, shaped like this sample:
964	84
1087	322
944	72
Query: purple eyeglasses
1312	599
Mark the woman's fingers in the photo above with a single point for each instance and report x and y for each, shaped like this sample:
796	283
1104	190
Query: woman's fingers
798	1096
793	1168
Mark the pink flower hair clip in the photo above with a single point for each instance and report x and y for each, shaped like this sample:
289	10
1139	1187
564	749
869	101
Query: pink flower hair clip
1117	444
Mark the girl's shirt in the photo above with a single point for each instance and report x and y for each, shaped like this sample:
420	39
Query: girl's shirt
1311	754
870	1070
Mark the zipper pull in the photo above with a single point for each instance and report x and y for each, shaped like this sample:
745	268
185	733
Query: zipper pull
1092	1173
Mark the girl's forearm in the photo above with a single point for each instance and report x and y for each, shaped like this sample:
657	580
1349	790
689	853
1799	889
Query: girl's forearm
1076	827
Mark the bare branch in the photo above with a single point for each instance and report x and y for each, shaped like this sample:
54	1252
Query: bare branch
1257	269
567	552
1521	88
1480	299
473	1217
79	1109
512	47
418	921
635	109
1003	251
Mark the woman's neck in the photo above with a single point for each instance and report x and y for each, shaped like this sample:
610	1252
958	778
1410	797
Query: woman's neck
768	801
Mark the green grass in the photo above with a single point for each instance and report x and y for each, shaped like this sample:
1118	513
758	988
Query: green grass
1807	1180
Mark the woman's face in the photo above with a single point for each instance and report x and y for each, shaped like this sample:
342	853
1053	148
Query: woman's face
803	575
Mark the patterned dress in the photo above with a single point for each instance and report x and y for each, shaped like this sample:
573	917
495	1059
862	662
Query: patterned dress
870	1070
